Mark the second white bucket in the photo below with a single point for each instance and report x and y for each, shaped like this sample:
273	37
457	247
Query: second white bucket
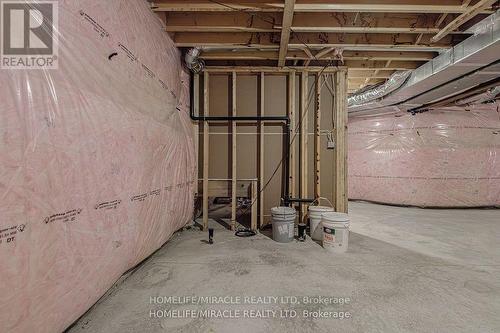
315	213
335	232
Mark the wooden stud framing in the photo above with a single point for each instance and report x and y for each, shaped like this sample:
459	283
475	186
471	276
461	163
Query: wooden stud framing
303	192
340	153
233	153
340	162
206	143
317	136
261	151
291	115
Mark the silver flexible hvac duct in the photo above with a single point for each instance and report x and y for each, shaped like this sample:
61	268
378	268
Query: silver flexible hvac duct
192	60
394	82
465	63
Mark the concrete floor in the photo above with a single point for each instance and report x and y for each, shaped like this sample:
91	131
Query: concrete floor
407	270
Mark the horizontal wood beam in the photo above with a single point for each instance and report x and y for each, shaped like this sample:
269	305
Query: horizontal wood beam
384	6
270	69
403	7
394	65
210	6
246	55
382	42
367	41
365	30
300	55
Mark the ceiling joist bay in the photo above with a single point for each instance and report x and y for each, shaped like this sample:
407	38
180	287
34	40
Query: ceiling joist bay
381	6
373	39
305	22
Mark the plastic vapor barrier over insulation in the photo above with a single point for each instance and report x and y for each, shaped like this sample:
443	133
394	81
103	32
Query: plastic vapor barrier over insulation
440	158
96	162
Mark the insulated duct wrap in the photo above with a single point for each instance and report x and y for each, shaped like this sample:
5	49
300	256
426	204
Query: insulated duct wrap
440	158
97	162
192	60
393	83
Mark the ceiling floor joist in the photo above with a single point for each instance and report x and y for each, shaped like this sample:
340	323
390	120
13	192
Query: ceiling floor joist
381	6
372	38
300	55
285	31
393	65
403	42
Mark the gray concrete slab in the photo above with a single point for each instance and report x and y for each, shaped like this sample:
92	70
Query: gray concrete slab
407	270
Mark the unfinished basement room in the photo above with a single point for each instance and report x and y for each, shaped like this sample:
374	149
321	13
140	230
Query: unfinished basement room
222	166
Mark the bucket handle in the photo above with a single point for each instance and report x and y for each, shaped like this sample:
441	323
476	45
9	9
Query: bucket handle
318	201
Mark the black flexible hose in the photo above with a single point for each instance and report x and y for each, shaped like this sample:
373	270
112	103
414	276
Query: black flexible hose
245	233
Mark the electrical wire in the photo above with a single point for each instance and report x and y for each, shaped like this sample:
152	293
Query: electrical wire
333	100
245	233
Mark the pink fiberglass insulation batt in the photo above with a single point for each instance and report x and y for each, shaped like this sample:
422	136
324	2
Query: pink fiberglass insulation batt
96	162
441	158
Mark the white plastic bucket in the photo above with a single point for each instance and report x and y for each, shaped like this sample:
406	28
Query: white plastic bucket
283	224
335	232
315	213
